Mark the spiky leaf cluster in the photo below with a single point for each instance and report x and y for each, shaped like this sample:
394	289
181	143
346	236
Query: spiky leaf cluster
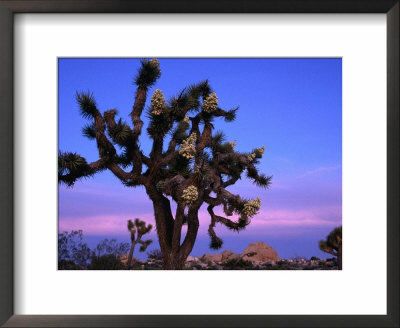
145	244
120	133
148	73
71	167
333	242
87	104
260	180
179	133
216	242
89	131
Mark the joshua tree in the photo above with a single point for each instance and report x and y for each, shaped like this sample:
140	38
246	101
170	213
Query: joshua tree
140	228
189	163
333	244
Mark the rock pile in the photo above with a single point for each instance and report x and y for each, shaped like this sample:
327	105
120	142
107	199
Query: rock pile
256	256
259	252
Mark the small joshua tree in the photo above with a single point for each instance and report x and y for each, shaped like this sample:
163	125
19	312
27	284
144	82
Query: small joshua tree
333	244
189	163
137	230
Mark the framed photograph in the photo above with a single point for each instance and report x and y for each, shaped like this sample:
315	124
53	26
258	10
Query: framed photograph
211	158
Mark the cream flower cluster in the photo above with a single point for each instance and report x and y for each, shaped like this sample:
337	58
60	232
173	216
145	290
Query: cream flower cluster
187	147
251	157
157	102
233	143
154	62
258	151
189	195
186	119
210	103
252	206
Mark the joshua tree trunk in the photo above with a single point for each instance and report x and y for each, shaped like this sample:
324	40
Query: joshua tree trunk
174	262
169	231
130	256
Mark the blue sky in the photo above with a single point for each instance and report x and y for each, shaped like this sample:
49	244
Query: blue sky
292	106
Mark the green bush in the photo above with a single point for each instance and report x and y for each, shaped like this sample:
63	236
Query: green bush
68	265
106	262
155	254
72	249
238	264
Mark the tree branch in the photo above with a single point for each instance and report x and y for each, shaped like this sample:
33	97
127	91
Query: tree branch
138	106
226	222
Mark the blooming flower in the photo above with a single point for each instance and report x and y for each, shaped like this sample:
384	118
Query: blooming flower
154	62
190	195
251	157
187	147
251	207
157	102
257	153
210	103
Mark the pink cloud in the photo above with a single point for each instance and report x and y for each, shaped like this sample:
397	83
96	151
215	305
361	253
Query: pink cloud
100	225
309	217
111	224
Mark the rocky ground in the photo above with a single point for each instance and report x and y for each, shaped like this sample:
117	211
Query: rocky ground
257	256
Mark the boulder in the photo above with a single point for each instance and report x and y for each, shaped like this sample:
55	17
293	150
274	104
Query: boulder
225	255
212	257
221	257
229	255
192	259
259	252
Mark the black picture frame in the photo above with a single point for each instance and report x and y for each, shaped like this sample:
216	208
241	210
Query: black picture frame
10	7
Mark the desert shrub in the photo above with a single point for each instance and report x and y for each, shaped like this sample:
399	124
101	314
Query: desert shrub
238	264
67	265
105	262
333	245
314	258
74	254
71	248
106	255
110	247
155	254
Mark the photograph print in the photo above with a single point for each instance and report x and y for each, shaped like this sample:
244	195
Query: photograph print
199	163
